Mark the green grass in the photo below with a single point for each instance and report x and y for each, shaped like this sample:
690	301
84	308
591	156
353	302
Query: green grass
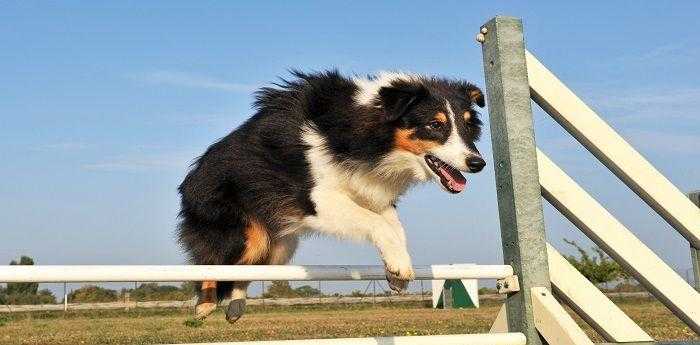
164	326
194	323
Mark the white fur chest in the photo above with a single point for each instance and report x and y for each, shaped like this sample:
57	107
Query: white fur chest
368	188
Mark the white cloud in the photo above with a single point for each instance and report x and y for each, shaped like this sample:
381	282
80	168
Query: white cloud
193	81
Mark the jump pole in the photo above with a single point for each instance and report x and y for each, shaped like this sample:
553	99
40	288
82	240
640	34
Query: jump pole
515	163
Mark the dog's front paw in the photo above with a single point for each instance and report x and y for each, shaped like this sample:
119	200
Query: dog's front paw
398	276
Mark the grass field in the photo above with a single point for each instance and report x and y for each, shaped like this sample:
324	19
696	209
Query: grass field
164	326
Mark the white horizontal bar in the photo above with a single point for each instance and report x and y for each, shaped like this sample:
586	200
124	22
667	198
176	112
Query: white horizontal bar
456	339
613	151
618	242
93	273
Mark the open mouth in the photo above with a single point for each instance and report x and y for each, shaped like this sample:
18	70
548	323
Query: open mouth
450	177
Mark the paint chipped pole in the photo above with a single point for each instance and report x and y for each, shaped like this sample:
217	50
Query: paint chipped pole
515	162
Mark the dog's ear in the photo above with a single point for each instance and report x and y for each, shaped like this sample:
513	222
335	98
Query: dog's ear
475	95
398	98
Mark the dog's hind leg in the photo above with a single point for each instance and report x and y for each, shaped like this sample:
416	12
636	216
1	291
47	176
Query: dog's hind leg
236	307
206	300
280	252
256	251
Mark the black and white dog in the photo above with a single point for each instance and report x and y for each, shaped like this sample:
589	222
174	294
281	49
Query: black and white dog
330	154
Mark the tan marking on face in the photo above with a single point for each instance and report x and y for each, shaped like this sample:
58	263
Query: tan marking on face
257	243
403	141
467	116
441	117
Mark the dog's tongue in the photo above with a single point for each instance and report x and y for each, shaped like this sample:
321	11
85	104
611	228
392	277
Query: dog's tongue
452	178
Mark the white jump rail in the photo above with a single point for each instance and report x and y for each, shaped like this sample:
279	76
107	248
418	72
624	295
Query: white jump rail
117	273
456	339
612	150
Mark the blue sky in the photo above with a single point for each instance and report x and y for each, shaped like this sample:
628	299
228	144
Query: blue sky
104	105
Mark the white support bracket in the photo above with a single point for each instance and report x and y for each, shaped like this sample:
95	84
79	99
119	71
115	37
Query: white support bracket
553	322
587	301
508	284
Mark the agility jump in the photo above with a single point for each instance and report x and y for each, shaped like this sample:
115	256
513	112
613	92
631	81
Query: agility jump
532	270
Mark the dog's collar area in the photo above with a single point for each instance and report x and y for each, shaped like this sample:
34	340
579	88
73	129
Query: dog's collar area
450	177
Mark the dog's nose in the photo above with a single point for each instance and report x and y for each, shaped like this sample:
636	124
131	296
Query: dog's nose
475	164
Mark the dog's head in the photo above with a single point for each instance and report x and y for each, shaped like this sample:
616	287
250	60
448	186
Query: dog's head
434	121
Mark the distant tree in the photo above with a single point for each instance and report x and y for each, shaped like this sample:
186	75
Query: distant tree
307	291
598	268
93	294
280	289
356	293
25	293
22	288
189	289
44	296
487	291
155	292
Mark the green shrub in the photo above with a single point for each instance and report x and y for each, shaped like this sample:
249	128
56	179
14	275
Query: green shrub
282	289
93	294
155	292
597	268
193	323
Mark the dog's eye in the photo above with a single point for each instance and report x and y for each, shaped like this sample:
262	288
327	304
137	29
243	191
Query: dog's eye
435	124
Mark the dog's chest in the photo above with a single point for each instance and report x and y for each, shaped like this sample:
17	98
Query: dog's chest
370	192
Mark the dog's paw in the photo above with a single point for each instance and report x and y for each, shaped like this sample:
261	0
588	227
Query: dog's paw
202	310
235	310
399	276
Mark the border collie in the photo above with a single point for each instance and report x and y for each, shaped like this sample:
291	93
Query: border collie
330	154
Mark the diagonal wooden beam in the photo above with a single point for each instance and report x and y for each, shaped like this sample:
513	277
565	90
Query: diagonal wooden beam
618	242
591	304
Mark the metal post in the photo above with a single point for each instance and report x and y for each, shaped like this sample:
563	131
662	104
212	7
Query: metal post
695	252
65	297
422	293
515	162
262	294
374	292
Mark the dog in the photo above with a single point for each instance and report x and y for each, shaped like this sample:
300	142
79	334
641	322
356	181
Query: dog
326	153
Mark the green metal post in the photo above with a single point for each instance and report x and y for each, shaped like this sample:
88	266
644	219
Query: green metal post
515	162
